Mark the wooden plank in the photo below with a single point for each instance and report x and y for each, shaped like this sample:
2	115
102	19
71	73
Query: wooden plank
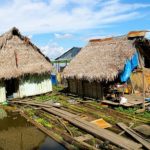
135	135
30	103
110	102
147	104
131	125
128	104
84	137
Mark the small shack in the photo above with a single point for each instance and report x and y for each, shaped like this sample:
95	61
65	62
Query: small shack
104	62
24	70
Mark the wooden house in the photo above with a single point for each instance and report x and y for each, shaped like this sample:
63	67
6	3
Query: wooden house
102	61
24	70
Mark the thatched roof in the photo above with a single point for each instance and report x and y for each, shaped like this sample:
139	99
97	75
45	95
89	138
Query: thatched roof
18	56
101	59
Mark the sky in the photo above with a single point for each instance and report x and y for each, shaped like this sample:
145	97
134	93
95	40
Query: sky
55	26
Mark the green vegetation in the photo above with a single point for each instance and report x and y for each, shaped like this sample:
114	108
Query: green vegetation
132	112
145	114
42	98
58	88
30	112
43	122
3	113
126	110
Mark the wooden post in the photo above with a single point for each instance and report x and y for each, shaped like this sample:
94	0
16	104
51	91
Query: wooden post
132	86
142	66
76	86
82	88
58	67
68	85
143	78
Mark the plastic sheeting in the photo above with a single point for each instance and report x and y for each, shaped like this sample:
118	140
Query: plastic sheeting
130	65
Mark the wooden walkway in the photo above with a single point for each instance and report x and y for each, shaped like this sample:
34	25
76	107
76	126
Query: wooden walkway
133	100
100	133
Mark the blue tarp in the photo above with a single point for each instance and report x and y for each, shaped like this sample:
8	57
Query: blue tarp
130	65
126	72
134	61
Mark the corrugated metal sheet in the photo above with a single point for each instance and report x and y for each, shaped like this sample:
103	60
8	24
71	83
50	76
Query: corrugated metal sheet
100	40
34	85
137	33
2	92
69	54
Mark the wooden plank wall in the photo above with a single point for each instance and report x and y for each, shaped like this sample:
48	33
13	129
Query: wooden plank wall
86	89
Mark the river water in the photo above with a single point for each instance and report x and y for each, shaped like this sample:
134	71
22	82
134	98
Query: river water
17	134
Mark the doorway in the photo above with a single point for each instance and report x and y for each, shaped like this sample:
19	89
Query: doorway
12	86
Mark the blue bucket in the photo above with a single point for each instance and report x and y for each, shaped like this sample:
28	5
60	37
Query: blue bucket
54	79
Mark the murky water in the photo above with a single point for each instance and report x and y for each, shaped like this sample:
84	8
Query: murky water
17	134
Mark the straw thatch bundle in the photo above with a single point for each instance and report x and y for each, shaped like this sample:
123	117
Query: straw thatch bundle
101	59
18	56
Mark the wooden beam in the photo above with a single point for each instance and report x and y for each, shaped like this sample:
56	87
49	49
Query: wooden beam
135	135
84	137
143	78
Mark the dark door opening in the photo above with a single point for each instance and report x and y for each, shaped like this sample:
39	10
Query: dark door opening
147	62
12	86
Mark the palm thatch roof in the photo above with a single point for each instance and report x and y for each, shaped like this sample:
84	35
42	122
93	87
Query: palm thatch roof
101	59
18	56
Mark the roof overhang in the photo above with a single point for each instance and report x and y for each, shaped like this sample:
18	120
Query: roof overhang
133	34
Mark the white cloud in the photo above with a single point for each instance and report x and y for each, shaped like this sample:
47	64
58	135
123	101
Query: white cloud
52	50
63	36
65	16
30	36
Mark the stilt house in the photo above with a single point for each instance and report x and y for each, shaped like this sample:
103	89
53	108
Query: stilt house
24	70
104	61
